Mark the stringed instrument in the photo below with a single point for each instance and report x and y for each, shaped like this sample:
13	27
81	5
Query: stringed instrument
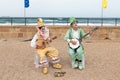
78	41
41	44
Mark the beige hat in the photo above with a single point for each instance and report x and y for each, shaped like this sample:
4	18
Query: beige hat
40	22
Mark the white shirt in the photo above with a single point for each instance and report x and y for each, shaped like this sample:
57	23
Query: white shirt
33	41
75	34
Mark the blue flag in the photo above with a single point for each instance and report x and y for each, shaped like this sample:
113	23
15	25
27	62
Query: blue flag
26	3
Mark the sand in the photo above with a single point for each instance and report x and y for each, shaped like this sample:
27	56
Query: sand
102	61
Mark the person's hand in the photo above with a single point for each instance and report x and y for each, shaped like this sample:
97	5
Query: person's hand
73	42
40	32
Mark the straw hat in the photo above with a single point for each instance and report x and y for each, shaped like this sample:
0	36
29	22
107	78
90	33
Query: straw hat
40	22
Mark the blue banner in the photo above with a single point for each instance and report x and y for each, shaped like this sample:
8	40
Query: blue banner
26	3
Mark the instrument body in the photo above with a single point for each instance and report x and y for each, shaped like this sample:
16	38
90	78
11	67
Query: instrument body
41	43
78	41
76	45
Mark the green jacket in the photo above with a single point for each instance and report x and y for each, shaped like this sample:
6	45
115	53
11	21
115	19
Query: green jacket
69	34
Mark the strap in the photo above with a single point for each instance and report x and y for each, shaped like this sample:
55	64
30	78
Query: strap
75	48
70	33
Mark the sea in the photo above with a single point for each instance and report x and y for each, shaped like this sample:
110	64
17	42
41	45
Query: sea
53	21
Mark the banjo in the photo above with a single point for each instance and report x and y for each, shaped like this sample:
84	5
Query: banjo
78	41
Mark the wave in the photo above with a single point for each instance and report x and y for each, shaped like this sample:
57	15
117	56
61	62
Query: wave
60	21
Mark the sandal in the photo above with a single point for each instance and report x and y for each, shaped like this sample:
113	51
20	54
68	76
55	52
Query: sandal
45	71
57	66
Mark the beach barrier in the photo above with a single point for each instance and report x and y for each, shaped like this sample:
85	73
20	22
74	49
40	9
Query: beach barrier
104	32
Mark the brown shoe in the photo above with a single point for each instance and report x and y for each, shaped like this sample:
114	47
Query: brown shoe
59	74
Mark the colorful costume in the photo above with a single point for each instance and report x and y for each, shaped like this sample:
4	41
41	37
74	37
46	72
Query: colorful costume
77	55
40	41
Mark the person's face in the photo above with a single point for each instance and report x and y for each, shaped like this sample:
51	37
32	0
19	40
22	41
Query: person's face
42	29
74	25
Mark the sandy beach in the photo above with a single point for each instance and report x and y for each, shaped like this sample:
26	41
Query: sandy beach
102	61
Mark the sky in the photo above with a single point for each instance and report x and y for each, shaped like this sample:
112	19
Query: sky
59	8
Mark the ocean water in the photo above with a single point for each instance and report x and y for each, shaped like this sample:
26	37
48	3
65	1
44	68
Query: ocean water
59	21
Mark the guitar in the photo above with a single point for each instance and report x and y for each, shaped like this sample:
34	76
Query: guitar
44	43
78	41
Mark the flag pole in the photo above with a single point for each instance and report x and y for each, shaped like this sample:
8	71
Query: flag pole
26	5
104	6
24	12
102	17
25	15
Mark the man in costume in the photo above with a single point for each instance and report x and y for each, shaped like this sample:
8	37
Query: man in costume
47	54
72	36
